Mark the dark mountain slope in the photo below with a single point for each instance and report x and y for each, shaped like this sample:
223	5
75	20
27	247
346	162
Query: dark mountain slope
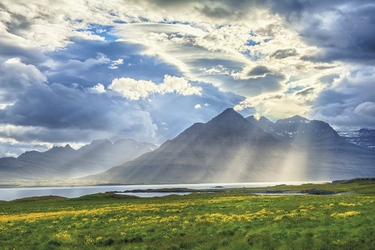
230	148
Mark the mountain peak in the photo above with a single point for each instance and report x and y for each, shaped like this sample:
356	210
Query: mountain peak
100	141
228	115
294	119
264	119
252	119
228	112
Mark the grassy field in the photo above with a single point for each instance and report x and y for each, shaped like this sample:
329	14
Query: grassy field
231	220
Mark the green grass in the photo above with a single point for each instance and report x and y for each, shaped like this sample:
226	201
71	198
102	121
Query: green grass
230	220
364	186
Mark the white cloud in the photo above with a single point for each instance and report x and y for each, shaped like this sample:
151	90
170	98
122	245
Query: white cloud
275	106
114	64
198	106
179	85
136	89
98	89
133	89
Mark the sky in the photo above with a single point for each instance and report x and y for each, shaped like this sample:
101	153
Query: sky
72	71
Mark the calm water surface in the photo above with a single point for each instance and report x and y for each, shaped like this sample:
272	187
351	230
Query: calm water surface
7	194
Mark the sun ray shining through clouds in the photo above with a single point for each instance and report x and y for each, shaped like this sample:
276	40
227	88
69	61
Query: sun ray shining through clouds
75	71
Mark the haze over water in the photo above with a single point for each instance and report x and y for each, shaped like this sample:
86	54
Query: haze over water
8	194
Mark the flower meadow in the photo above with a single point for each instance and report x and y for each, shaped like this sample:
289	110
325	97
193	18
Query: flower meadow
230	220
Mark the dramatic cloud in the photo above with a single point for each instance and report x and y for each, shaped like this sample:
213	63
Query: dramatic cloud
340	28
349	101
73	71
16	78
259	71
284	53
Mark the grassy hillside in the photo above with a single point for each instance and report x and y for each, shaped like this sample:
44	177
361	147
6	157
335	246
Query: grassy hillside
230	220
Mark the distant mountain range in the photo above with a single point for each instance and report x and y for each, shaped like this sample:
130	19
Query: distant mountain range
60	163
231	148
364	137
295	127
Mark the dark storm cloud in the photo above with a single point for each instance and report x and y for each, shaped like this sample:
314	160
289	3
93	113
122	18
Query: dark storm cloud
283	53
67	114
18	24
352	104
220	12
347	37
168	3
29	55
57	107
16	78
235	9
258	71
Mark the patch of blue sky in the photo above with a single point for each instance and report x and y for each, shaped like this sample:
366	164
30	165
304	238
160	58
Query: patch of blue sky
253	56
119	21
292	90
143	19
175	22
251	43
103	31
291	79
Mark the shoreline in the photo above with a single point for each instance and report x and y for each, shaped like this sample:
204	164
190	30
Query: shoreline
54	185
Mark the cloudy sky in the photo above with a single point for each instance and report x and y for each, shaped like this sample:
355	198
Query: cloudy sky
72	71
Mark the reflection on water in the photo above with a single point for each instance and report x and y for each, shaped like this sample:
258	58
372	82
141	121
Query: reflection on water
7	194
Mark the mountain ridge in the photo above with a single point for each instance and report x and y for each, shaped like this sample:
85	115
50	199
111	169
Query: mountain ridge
229	148
63	162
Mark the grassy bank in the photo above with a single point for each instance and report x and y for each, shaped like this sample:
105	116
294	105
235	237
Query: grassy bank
230	220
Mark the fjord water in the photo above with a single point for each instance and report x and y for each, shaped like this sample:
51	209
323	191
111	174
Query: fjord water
7	194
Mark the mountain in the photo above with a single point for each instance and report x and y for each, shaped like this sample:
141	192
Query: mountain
60	163
230	148
302	132
364	138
